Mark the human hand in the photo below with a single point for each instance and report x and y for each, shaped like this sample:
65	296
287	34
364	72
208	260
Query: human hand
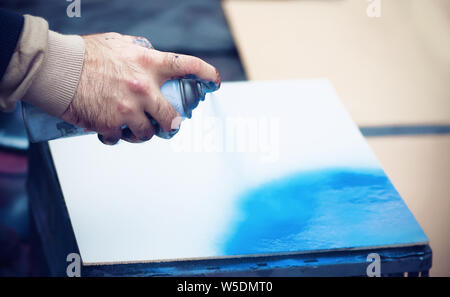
121	82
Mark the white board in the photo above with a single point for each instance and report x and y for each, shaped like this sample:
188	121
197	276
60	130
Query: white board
186	197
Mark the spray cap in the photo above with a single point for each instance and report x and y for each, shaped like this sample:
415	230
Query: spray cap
192	92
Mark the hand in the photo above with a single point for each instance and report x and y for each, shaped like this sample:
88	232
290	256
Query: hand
121	81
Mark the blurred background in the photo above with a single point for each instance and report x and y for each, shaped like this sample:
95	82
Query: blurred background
389	61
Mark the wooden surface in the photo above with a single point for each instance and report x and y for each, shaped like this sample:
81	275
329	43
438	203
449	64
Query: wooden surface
391	70
419	167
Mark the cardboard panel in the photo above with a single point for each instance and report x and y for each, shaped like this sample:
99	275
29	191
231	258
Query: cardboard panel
388	70
419	168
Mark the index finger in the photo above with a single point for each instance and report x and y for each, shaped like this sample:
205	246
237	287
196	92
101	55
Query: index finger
177	65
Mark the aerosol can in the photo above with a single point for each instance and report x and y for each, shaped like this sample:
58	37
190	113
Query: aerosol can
184	95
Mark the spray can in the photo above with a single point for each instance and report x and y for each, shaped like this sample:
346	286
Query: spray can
184	95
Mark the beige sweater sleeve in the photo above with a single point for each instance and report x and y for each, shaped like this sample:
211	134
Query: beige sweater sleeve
44	70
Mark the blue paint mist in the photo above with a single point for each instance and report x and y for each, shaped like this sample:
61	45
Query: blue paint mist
322	209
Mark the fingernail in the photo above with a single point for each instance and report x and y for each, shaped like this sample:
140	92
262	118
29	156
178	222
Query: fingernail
107	141
219	81
176	123
145	138
173	132
210	86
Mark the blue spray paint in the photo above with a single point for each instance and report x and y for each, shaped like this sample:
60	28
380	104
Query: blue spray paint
322	209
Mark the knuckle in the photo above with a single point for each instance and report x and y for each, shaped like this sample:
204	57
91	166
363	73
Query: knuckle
161	112
145	57
146	132
113	35
174	61
139	86
125	107
170	61
157	104
142	127
148	137
108	127
164	59
167	116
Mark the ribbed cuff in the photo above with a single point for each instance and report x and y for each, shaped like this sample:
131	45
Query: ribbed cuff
56	82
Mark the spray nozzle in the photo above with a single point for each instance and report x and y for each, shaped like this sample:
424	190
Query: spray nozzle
193	91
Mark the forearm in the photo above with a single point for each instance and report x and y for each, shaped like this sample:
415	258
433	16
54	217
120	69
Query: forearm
116	83
44	69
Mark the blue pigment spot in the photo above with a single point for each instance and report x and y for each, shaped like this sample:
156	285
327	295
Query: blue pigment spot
321	209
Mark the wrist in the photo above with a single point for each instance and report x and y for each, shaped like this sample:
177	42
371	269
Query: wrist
57	81
75	113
